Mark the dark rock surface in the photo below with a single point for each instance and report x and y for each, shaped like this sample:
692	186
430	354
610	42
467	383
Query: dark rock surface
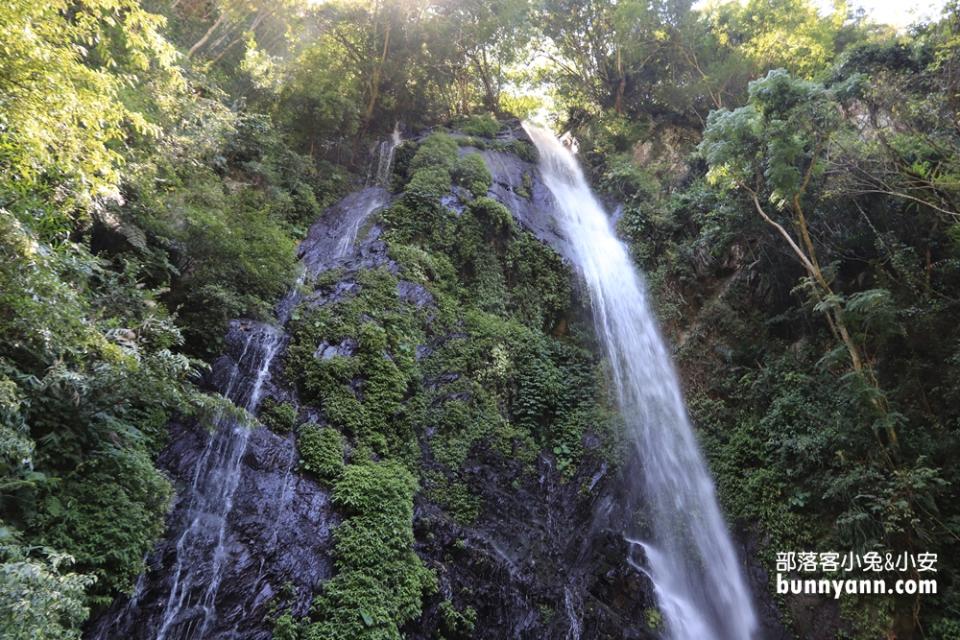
544	560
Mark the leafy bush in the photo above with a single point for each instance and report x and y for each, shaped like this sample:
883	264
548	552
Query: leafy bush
471	172
380	581
484	125
428	185
38	599
321	450
278	416
107	514
438	150
494	216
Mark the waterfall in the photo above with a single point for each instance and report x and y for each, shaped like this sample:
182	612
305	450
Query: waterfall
181	599
685	548
380	177
200	549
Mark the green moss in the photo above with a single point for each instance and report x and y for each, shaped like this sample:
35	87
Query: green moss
321	450
380	581
437	150
546	613
277	416
470	172
484	125
653	618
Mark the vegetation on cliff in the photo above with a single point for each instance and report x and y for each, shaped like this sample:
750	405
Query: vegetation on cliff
788	179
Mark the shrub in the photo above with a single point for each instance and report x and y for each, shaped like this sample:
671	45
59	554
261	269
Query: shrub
38	599
438	150
484	125
471	172
107	515
428	184
278	416
494	215
321	450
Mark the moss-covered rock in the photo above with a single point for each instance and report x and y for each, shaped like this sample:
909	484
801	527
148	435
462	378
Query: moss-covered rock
380	581
321	450
471	173
280	417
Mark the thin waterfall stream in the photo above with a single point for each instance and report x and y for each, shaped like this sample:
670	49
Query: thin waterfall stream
187	604
685	548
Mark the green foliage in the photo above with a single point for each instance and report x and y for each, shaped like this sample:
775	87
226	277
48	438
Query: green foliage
428	185
278	416
223	247
792	33
437	150
471	172
483	125
108	531
380	580
39	600
453	495
653	618
456	624
142	206
946	629
77	443
63	112
321	450
286	628
799	444
776	135
386	331
127	190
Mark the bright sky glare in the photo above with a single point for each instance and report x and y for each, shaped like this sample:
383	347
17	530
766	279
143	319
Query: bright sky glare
898	13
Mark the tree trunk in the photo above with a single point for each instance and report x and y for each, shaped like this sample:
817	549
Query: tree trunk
621	85
206	37
375	80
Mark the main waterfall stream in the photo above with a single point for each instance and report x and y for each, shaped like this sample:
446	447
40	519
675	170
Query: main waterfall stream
685	548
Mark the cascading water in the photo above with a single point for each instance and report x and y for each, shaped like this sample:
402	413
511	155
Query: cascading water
182	601
379	175
687	551
211	494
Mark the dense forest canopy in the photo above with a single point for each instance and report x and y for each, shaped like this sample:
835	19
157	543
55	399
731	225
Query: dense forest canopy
789	180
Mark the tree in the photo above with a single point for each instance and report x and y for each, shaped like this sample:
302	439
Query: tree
60	75
772	149
488	37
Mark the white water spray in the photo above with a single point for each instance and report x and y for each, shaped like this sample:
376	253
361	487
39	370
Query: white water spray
213	488
688	555
384	159
187	604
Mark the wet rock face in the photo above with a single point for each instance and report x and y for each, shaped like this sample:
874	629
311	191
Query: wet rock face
545	558
276	536
246	524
